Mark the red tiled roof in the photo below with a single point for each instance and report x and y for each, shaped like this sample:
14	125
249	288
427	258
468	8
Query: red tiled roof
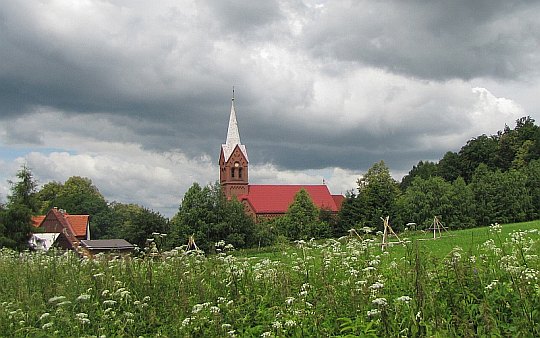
36	220
78	223
338	199
278	198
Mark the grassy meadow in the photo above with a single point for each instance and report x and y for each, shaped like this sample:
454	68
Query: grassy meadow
468	283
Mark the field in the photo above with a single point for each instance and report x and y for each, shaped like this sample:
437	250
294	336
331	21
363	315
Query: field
476	282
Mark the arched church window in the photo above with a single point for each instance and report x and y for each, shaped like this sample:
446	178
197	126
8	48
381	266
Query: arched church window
239	172
232	172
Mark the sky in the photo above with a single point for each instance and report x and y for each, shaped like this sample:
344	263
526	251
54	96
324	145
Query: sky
136	95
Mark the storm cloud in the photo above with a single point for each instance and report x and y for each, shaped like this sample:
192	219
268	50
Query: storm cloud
136	95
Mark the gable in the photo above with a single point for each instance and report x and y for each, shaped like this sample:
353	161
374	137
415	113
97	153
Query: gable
56	221
276	199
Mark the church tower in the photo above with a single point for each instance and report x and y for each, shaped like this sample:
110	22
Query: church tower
233	161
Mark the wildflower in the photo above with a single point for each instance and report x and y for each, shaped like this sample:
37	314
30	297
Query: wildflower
277	325
56	299
492	284
197	308
105	292
66	302
214	309
186	321
403	299
379	302
376	286
44	316
109	302
374	312
495	228
290	323
289	300
84	296
47	325
226	326
266	334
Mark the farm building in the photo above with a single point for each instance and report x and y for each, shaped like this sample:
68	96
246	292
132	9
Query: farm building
71	232
262	201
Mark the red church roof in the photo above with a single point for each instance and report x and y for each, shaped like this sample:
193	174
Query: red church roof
274	199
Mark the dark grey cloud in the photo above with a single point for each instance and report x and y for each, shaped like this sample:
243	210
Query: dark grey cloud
161	75
431	39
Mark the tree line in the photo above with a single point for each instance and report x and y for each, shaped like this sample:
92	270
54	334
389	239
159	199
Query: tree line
490	179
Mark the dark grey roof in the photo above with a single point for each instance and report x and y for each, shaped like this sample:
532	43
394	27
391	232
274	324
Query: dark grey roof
107	244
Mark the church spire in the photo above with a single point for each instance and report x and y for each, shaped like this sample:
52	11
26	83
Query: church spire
233	135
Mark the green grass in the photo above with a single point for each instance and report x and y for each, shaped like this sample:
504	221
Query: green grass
488	287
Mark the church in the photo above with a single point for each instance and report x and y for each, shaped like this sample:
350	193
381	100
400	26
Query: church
262	201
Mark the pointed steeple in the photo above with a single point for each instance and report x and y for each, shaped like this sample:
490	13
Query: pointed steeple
233	135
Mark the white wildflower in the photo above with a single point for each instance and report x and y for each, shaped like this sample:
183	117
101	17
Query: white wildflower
56	299
379	302
374	312
290	323
403	299
84	296
289	300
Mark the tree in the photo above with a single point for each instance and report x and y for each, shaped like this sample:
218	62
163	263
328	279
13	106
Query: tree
378	193
461	214
500	196
422	169
449	167
482	149
210	217
23	192
302	219
140	224
78	195
16	217
350	214
424	199
532	171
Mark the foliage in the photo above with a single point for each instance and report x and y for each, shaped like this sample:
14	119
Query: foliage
23	192
423	169
15	218
378	193
500	196
78	195
135	224
210	217
424	199
312	289
302	219
349	216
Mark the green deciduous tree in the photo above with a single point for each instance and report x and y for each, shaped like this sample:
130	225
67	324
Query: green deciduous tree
423	169
378	193
424	199
500	196
210	217
350	215
302	219
78	195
